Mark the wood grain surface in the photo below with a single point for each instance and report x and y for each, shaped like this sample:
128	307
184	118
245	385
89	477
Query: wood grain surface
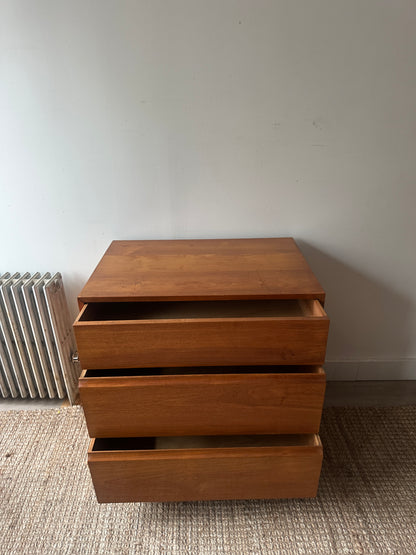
206	474
205	404
202	342
272	268
202	303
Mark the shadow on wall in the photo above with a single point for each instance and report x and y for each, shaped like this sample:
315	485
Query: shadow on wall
73	283
369	321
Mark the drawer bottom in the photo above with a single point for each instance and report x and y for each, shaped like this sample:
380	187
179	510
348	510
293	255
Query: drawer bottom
205	468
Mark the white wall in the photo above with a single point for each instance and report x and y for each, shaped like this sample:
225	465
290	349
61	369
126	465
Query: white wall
187	118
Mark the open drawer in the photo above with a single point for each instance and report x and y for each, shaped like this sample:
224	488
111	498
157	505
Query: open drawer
202	468
204	400
203	333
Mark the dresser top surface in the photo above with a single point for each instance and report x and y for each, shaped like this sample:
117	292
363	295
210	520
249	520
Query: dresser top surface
202	269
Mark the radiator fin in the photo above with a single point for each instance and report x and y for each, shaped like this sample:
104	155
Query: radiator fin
36	338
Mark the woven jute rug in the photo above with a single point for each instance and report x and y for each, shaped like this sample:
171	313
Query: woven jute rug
366	501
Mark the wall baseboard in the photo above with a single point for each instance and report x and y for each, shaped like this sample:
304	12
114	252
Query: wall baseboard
355	370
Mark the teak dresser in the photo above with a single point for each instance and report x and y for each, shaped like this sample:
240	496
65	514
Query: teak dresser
202	370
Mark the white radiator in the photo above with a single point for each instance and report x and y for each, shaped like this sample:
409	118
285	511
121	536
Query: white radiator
37	344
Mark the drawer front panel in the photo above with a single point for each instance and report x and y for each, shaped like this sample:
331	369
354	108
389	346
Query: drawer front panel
202	342
206	474
246	403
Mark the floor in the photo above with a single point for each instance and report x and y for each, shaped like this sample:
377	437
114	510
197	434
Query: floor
32	404
360	393
371	393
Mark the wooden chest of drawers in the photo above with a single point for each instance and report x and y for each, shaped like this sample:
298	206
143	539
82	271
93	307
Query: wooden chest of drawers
202	370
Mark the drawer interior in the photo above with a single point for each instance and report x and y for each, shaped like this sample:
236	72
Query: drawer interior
201	309
202	370
202	442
